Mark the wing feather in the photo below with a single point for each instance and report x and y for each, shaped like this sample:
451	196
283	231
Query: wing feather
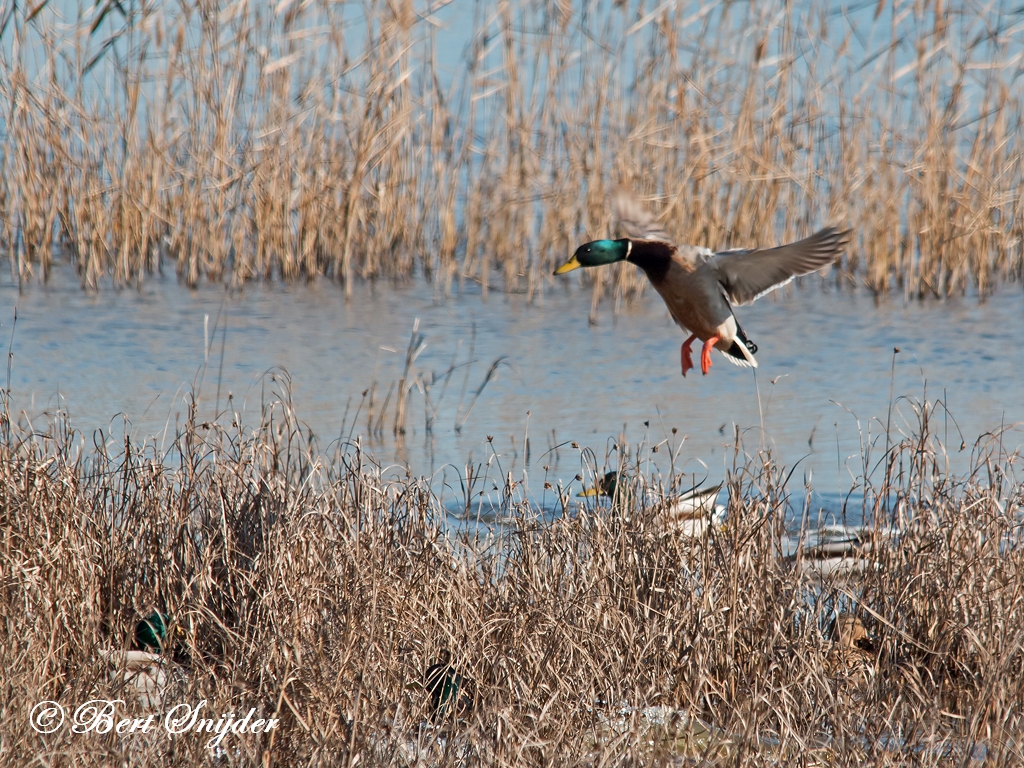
747	275
635	221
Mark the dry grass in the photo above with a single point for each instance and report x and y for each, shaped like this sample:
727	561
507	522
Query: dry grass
306	585
243	142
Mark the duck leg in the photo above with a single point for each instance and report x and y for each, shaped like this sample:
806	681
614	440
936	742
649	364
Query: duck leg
705	354
684	353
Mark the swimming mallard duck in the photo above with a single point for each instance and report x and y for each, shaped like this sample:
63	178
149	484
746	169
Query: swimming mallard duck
698	286
688	516
146	669
838	550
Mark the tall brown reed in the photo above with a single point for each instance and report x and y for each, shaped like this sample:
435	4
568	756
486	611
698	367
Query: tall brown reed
241	142
318	591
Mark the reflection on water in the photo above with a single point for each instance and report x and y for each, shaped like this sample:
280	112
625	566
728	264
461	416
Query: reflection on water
823	387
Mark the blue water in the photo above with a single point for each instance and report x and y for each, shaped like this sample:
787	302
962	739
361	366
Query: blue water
128	361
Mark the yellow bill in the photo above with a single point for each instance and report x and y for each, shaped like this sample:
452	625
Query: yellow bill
589	491
569	266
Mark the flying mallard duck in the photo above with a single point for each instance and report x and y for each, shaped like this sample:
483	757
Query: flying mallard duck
700	286
687	516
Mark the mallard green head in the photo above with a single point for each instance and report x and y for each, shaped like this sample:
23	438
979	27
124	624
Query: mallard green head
449	691
597	253
603	487
151	633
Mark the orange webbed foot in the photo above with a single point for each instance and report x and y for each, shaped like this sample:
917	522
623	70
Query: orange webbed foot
684	354
705	354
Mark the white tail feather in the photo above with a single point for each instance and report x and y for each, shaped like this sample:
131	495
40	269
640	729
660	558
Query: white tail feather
749	362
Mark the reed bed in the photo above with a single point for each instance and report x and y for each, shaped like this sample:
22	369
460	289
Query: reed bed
303	583
235	142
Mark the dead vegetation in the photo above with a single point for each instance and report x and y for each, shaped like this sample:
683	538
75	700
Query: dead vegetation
306	585
235	142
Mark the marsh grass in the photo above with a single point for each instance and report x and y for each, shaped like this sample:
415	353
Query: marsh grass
306	584
237	142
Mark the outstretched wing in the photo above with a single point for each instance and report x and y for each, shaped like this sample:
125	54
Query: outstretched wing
749	274
634	220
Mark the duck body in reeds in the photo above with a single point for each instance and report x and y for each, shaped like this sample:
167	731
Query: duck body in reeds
700	287
145	669
854	651
838	550
689	515
451	693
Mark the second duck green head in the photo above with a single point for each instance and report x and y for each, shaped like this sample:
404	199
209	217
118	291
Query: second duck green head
605	486
151	633
596	253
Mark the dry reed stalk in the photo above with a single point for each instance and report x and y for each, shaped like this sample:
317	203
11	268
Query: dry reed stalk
250	143
317	591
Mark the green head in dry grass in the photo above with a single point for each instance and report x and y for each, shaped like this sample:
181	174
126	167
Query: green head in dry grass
605	486
451	693
151	633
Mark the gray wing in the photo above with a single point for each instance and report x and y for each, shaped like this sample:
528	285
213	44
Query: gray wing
748	275
634	220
